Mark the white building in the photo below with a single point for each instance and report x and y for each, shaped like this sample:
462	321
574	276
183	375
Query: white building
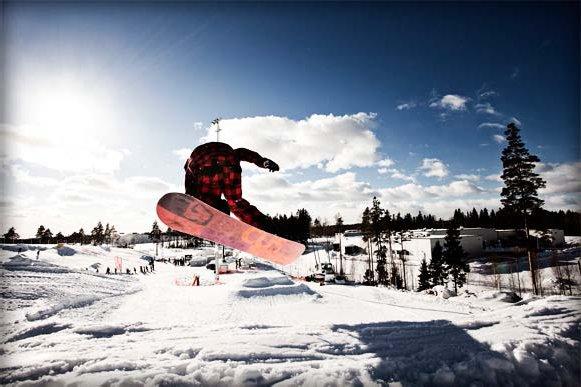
421	247
557	236
487	234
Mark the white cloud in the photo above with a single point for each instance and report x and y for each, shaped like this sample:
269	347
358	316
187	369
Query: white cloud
487	94
486	108
23	176
561	178
493	125
344	193
74	152
516	121
434	168
494	177
382	171
469	177
396	174
332	142
563	185
499	138
198	125
81	200
451	102
183	153
406	106
385	163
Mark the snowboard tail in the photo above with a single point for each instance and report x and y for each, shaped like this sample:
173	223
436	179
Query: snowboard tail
189	215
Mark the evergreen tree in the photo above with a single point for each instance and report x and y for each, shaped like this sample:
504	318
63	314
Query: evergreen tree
107	234
382	276
303	227
40	233
424	277
365	224
98	234
47	235
316	229
455	257
519	194
113	236
378	226
437	267
11	235
339	227
60	237
82	236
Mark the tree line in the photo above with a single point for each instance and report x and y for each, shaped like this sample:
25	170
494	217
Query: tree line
98	235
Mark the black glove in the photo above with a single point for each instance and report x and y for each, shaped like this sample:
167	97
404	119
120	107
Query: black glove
270	165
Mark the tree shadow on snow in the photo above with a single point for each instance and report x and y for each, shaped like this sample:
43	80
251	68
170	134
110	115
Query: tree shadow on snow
430	353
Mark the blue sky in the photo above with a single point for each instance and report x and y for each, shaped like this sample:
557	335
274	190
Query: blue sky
112	97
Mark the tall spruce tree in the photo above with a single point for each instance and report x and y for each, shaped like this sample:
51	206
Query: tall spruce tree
377	225
11	235
519	195
424	277
455	257
437	267
40	233
98	234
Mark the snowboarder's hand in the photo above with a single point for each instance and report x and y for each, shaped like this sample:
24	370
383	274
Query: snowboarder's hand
270	165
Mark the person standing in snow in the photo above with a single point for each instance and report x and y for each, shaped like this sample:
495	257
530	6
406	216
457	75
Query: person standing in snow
213	169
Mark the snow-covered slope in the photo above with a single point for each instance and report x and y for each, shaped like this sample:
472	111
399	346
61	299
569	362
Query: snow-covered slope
65	323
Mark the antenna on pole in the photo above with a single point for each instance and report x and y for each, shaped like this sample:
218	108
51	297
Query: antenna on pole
218	130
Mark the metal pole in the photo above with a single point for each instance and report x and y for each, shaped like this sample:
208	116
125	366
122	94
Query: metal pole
218	130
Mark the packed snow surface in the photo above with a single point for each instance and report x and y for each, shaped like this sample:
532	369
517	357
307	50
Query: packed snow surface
65	323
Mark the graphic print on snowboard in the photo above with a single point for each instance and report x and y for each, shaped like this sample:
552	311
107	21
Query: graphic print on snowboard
189	215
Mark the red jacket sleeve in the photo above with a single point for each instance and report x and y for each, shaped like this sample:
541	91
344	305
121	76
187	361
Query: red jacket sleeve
249	156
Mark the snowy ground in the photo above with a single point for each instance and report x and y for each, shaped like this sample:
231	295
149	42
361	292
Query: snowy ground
63	324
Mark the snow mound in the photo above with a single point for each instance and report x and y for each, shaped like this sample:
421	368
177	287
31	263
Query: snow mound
271	290
20	263
443	292
16	248
66	251
502	296
266	282
77	302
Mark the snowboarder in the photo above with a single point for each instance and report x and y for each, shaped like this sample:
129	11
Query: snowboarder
213	170
37	254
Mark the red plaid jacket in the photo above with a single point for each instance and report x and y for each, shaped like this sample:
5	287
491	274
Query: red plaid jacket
215	154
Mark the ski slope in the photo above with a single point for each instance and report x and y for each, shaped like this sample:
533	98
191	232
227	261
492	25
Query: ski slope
65	323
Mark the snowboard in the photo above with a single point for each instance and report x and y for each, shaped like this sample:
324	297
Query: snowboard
189	215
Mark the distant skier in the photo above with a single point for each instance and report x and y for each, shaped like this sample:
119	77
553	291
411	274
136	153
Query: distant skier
213	170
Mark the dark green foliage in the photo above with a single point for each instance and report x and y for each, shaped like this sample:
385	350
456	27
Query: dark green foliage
295	227
98	234
11	235
424	277
382	276
520	180
395	278
437	267
155	232
455	257
40	232
368	277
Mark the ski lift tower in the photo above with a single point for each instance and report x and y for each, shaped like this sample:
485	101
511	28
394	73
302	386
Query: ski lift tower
218	130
